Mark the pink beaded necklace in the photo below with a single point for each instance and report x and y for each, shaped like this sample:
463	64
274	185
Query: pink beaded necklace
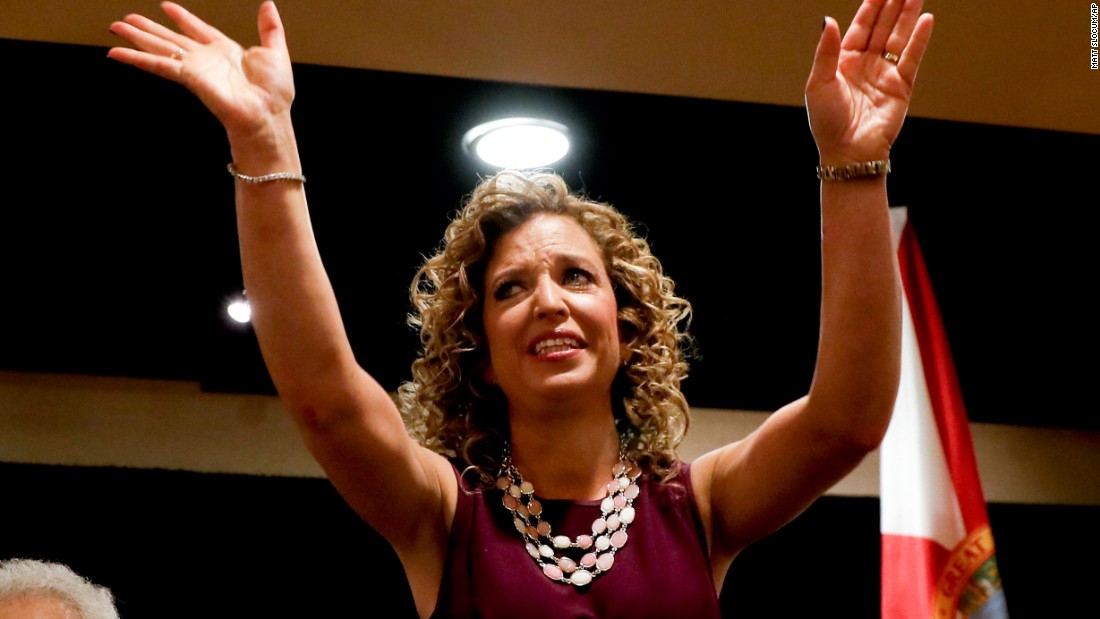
608	531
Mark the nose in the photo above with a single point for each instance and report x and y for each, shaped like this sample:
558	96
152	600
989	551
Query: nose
548	299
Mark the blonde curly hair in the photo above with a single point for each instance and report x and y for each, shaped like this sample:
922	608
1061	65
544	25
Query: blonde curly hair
450	408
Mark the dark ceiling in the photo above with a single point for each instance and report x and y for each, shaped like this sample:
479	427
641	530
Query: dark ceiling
119	244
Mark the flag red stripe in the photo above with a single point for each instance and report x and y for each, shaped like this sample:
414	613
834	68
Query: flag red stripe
942	383
909	586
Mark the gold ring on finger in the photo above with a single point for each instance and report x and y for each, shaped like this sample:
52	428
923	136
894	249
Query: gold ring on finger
891	58
177	55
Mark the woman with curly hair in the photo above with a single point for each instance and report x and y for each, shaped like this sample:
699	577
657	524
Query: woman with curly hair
541	477
449	405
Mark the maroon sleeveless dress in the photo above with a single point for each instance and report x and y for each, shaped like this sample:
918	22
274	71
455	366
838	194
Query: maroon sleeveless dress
662	572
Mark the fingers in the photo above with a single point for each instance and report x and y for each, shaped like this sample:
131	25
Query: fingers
891	27
903	30
882	26
270	25
148	36
158	65
914	49
885	26
859	33
157	47
149	28
151	36
827	55
160	49
191	25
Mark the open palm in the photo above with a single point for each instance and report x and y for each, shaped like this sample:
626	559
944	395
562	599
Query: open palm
856	97
242	87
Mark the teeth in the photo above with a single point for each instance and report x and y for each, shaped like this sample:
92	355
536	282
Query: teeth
555	345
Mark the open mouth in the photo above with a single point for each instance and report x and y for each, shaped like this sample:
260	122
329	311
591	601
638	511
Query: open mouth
556	345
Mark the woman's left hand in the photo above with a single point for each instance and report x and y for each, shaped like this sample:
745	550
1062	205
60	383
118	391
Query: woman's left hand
859	89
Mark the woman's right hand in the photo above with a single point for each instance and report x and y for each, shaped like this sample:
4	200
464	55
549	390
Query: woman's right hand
246	89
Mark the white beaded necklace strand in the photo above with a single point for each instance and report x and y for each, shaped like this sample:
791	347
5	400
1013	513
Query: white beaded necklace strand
608	531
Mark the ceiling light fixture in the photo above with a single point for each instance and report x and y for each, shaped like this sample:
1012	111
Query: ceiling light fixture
520	143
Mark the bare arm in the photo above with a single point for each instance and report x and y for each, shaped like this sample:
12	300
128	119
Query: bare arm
857	101
348	420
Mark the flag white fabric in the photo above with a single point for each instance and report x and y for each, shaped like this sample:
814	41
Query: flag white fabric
938	557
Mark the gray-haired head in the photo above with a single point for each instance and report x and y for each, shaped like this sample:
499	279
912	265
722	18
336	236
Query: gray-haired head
31	578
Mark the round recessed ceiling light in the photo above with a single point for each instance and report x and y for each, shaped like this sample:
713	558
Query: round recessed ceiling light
521	143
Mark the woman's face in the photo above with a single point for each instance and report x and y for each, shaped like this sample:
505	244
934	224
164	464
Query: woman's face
550	314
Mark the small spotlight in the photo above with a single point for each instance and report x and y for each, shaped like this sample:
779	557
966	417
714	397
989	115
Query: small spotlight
521	143
239	310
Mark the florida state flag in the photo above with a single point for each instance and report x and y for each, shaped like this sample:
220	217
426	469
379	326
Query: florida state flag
937	547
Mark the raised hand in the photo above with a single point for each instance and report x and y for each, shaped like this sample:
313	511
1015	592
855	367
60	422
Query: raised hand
244	88
859	89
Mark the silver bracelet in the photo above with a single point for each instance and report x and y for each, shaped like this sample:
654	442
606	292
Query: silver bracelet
266	178
853	170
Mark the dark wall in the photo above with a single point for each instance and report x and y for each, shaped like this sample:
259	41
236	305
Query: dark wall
177	544
119	226
117	202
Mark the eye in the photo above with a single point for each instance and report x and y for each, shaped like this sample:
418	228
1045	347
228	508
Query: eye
507	290
577	277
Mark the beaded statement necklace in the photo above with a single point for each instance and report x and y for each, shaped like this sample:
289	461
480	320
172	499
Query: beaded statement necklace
608	531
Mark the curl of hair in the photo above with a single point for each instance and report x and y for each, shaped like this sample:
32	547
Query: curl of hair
447	405
31	578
